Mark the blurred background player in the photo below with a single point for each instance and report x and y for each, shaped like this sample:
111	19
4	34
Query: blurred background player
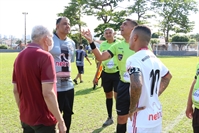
80	54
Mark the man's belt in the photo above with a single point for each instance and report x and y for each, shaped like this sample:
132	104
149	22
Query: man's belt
64	78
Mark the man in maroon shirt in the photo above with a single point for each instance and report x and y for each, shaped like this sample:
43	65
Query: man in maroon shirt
34	80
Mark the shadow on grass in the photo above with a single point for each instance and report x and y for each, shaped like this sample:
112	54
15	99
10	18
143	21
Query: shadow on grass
98	130
86	91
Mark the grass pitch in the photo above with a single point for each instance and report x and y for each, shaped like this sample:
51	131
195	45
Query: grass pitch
89	105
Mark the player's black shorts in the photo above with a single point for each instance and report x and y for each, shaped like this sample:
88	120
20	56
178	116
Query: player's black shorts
80	69
123	98
110	81
195	121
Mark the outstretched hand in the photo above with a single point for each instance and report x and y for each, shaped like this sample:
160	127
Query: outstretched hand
87	35
136	110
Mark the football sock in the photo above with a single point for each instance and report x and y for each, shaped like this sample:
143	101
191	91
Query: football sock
121	128
109	104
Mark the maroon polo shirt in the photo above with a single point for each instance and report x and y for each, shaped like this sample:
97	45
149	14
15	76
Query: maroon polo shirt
32	67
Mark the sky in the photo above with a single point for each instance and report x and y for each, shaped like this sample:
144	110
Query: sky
42	12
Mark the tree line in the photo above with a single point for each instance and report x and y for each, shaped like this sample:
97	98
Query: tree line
171	16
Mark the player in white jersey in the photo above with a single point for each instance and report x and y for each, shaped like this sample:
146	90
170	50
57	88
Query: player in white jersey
149	77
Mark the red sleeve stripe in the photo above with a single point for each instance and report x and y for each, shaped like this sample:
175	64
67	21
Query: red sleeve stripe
166	74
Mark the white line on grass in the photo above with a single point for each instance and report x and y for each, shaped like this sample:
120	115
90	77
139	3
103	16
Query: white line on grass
175	122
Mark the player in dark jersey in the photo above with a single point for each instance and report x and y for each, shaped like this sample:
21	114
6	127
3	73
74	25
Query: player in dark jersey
80	54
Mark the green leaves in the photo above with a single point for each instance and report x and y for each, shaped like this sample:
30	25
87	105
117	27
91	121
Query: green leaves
180	40
175	15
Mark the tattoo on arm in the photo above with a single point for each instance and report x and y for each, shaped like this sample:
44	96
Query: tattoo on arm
135	89
163	84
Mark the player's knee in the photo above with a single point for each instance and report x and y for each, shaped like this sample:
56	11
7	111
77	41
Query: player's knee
109	94
122	119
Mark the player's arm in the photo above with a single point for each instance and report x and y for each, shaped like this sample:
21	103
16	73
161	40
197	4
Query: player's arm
164	82
135	88
99	55
16	94
88	60
189	109
52	104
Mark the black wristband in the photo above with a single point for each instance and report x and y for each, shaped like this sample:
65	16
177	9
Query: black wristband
92	45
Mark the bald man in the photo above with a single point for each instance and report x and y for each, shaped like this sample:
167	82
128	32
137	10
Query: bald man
149	77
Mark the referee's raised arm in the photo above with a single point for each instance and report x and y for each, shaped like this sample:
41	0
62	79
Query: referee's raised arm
100	56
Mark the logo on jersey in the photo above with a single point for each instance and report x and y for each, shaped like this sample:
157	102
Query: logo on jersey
126	77
120	48
119	56
158	114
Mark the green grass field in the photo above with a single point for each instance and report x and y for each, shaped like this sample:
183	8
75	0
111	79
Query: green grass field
89	104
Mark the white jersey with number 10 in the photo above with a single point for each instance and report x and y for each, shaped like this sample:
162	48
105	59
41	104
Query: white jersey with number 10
152	70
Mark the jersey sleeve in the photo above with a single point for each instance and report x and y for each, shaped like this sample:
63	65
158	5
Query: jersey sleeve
112	49
48	74
132	64
164	70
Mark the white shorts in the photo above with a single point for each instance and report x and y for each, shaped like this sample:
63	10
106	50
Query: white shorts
131	129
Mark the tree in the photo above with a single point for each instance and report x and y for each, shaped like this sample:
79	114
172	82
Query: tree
195	36
154	41
74	13
154	35
18	42
105	10
75	38
141	8
175	15
180	41
192	43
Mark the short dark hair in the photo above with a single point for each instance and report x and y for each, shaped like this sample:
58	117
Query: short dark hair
132	21
58	20
81	46
145	31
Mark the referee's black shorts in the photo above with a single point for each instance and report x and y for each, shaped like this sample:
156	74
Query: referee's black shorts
110	81
123	98
195	121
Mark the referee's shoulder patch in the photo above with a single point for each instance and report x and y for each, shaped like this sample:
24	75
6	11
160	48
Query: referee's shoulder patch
132	70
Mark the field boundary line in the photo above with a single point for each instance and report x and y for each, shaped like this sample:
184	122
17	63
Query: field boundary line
170	126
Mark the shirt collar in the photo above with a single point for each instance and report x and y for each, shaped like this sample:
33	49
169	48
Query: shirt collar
143	48
34	45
